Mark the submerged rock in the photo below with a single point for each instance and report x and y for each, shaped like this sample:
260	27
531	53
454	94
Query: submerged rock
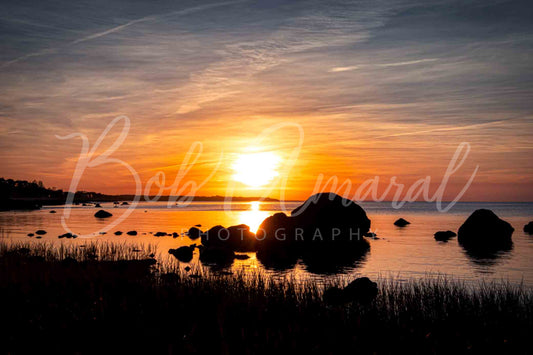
132	233
102	214
528	228
484	230
160	234
40	232
52	211
444	236
68	236
30	234
401	222
118	233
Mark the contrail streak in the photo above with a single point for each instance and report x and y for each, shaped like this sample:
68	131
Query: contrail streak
120	28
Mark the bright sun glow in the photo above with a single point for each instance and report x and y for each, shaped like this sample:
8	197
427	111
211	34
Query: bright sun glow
256	169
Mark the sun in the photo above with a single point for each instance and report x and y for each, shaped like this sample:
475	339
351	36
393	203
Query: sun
256	169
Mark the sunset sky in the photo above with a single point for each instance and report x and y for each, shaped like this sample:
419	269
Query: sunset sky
379	88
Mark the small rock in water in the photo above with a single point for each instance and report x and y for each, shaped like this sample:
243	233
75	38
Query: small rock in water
183	254
175	235
187	268
118	233
401	222
38	237
528	228
40	232
30	234
160	234
52	211
125	203
132	233
102	214
443	236
241	257
197	225
97	205
194	233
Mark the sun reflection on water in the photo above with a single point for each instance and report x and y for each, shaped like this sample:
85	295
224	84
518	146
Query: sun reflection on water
253	217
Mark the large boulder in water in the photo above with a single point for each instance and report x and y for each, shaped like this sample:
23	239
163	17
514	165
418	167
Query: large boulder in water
484	230
102	214
331	216
325	231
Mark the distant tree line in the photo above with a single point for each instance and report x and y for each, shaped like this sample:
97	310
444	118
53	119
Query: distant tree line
22	194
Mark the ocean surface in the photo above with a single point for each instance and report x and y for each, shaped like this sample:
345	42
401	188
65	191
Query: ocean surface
403	253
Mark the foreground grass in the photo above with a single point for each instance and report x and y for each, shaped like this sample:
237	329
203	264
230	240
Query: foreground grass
107	297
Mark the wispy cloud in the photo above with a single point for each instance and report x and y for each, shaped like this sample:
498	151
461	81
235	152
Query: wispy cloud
120	28
384	65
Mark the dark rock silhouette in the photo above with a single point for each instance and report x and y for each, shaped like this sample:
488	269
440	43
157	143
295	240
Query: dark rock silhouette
219	256
234	238
175	235
125	203
183	254
102	214
528	228
97	205
118	233
194	233
160	234
326	232
30	234
485	233
52	211
444	236
132	233
68	236
401	222
40	232
361	290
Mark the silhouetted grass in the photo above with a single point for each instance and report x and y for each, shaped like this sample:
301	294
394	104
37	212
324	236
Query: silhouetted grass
108	297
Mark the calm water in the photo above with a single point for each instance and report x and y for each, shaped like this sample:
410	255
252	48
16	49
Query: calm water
404	253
